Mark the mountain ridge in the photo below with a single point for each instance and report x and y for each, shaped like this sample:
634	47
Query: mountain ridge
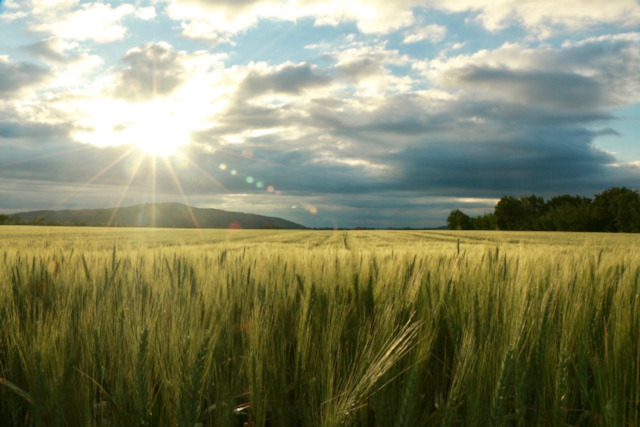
161	215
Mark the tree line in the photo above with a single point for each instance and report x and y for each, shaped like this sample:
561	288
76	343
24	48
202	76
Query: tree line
613	210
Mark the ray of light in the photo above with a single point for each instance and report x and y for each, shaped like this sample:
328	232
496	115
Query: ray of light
205	173
154	165
134	173
44	156
184	196
96	176
266	46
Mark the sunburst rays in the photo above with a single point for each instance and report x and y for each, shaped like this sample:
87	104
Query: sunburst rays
95	177
182	193
127	186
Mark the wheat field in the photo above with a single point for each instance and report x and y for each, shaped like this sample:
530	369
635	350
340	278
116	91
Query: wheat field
318	328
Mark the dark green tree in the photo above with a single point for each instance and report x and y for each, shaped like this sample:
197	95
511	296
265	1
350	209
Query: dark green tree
510	214
484	222
617	209
16	220
533	207
613	210
458	220
567	213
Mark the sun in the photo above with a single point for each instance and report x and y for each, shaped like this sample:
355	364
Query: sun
159	127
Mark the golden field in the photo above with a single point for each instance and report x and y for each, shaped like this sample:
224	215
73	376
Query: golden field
104	326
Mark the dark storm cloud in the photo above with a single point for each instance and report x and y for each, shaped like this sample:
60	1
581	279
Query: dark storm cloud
289	79
545	162
18	75
563	90
152	70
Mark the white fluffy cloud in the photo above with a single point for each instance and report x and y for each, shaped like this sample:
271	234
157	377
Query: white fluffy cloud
434	33
71	20
591	74
544	16
218	21
95	21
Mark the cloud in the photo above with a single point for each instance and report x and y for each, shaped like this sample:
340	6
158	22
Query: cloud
152	70
524	162
94	21
287	78
288	103
146	13
219	21
71	20
512	120
593	74
32	130
366	66
544	17
15	76
52	49
561	90
358	60
434	33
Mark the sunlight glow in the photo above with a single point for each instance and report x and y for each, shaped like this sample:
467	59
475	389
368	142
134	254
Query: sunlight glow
159	127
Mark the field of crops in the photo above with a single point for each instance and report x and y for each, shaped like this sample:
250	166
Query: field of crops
108	327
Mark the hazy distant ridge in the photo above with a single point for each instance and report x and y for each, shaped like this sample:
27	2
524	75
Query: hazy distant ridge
168	215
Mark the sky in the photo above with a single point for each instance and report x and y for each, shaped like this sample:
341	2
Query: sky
334	113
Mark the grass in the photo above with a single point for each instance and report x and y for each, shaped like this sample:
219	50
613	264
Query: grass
309	328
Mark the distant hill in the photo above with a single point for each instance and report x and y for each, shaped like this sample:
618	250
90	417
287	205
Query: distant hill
167	215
